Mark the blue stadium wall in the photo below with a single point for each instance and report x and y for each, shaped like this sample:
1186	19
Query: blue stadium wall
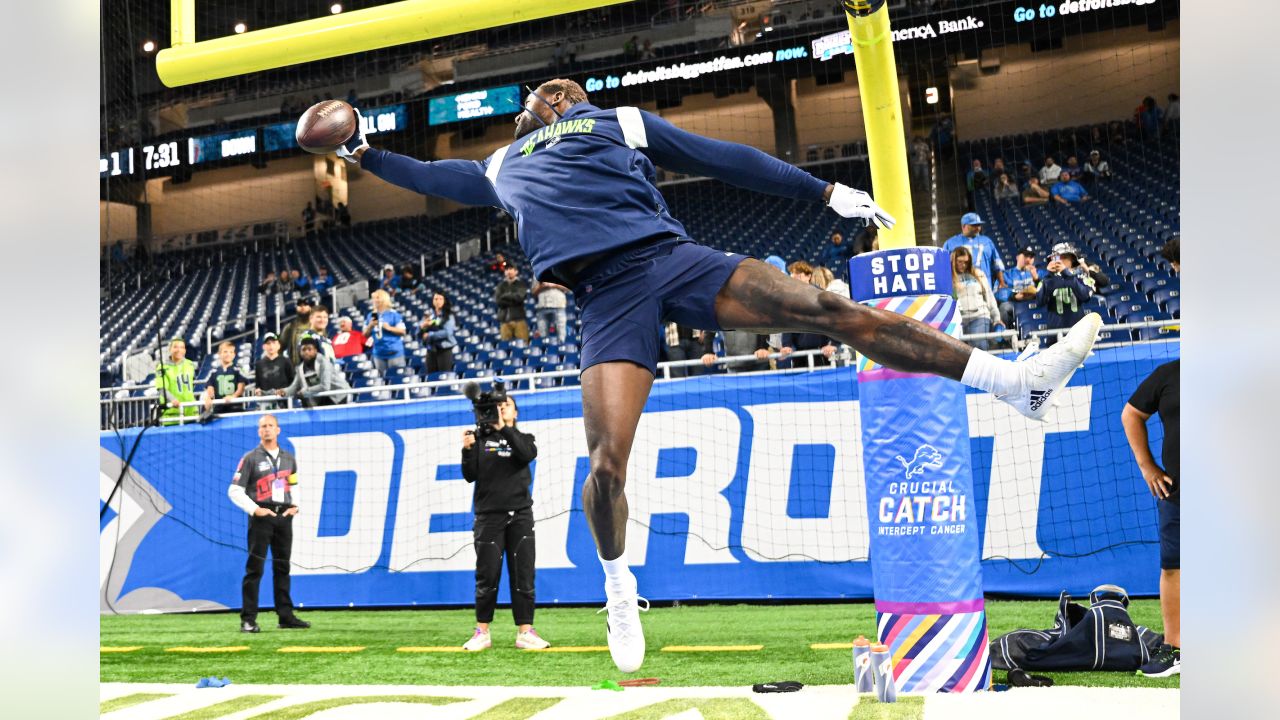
769	504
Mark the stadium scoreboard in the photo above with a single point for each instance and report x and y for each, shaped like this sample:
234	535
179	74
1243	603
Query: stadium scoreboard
474	104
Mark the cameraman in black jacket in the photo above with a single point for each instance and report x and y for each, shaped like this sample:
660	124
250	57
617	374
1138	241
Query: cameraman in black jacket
498	463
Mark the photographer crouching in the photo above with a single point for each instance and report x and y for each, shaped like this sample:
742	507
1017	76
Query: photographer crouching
496	457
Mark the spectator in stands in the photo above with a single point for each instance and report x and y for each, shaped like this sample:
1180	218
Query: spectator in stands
680	342
974	297
292	332
1073	169
510	295
777	263
300	283
975	181
1173	116
437	332
1022	280
942	135
1149	117
646	50
1068	191
982	249
836	254
551	302
997	167
631	48
347	341
224	381
1050	172
788	343
558	54
309	219
1005	188
1095	169
741	342
863	242
409	281
1035	194
1172	251
344	215
1026	174
268	284
176	382
272	372
323	281
386	327
318	327
499	263
920	162
314	375
1092	272
389	282
1063	293
801	270
825	279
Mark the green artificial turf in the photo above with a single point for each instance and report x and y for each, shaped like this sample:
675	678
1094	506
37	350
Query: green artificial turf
785	631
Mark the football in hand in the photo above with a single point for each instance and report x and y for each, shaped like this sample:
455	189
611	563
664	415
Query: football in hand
325	126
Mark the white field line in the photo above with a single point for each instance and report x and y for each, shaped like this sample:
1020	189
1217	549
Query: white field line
814	702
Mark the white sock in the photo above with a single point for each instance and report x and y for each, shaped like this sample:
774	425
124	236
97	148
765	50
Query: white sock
995	375
618	580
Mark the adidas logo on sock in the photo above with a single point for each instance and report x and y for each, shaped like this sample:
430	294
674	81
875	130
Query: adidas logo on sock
1038	398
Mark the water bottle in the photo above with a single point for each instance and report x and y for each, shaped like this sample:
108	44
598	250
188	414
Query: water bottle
862	675
882	666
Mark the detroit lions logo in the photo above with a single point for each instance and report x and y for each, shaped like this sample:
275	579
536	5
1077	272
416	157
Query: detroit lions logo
927	456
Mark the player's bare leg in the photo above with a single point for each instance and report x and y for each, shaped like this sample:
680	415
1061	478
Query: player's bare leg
613	397
761	299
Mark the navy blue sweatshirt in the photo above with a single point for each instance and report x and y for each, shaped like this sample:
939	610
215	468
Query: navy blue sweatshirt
586	184
1064	295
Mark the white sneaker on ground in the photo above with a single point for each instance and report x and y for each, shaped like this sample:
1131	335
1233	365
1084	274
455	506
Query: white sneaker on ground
530	640
626	637
1045	373
479	641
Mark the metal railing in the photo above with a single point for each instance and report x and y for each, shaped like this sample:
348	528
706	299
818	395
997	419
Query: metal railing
134	411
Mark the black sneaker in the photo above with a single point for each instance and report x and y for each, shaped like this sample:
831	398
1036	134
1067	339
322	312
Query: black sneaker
1165	662
293	623
249	627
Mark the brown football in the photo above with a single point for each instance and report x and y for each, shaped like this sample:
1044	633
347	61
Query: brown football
325	126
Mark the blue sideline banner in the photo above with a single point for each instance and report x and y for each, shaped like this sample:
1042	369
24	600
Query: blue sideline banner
741	487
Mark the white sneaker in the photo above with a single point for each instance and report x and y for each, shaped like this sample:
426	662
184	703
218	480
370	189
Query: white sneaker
479	641
1045	373
626	637
531	640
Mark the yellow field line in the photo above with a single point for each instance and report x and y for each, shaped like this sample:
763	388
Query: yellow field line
711	648
320	649
431	649
574	648
831	646
186	649
119	649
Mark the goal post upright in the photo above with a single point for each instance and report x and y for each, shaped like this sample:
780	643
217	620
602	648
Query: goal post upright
872	41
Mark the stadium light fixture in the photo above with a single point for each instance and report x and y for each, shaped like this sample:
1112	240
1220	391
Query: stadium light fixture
149	46
240	28
335	8
187	61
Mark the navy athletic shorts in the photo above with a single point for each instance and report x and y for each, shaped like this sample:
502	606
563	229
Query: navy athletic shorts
1170	527
624	299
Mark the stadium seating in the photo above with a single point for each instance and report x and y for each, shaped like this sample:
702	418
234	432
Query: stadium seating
1122	229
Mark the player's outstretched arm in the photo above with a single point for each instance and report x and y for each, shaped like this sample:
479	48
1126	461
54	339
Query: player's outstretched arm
741	165
458	180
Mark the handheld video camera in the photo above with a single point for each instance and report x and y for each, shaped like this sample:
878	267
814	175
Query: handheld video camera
486	404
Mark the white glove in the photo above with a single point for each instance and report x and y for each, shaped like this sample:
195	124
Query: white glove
347	151
852	203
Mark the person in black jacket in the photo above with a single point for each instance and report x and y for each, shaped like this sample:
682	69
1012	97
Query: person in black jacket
497	462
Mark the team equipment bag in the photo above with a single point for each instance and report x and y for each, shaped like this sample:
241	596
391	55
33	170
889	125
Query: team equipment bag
1098	637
